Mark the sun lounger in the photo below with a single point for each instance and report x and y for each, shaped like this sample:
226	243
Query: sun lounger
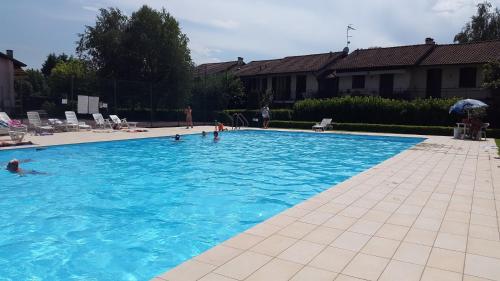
14	125
36	124
100	122
122	123
71	120
325	124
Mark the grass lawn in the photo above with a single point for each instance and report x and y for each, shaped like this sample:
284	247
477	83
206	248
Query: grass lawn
498	145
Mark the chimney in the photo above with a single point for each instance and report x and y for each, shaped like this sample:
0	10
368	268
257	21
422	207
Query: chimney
240	61
10	54
429	41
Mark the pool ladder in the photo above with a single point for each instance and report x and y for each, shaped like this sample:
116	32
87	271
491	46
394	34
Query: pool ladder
239	120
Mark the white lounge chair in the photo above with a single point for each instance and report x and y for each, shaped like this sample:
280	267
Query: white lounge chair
122	123
73	121
14	125
325	124
100	122
35	123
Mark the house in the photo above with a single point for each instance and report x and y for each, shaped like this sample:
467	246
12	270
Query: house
9	68
289	78
416	71
210	69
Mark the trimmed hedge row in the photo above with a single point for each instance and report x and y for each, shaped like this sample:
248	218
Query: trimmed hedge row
379	128
276	114
377	110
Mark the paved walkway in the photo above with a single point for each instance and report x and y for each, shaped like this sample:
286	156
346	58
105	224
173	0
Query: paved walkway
429	213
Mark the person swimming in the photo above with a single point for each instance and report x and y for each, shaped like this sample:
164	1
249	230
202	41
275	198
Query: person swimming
203	134
216	136
177	137
14	167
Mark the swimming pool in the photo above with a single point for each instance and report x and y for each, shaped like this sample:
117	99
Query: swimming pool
129	210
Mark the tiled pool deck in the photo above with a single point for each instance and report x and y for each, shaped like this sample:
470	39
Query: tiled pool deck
429	213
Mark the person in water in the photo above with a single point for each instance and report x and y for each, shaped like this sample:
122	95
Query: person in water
203	134
14	167
216	136
177	137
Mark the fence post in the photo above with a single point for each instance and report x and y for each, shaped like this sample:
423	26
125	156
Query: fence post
72	93
114	96
151	105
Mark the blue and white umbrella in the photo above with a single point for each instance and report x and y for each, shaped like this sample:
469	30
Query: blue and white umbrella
466	105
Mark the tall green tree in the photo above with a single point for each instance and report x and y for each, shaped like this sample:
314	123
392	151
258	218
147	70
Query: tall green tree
218	92
485	25
148	46
72	78
51	61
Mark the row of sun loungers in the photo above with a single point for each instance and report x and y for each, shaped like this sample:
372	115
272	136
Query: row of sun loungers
17	130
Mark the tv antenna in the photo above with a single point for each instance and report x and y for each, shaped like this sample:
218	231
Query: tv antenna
349	28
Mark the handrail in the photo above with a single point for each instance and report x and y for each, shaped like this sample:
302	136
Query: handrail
239	120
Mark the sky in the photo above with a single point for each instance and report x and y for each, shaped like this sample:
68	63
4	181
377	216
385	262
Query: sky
222	30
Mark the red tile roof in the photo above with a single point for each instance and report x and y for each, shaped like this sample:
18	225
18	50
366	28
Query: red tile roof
469	53
214	68
383	57
293	64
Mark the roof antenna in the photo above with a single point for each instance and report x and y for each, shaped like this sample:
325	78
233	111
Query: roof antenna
349	28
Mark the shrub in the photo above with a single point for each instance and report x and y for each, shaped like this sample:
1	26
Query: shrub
377	110
276	114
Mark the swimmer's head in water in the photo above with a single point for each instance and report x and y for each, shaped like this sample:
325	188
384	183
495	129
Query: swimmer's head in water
177	137
13	165
203	133
216	134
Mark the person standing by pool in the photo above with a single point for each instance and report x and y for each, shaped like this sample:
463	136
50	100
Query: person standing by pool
189	117
265	116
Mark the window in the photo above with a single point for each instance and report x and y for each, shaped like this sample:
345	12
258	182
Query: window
358	82
467	77
281	87
301	86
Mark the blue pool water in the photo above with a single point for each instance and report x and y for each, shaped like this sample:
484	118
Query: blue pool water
130	210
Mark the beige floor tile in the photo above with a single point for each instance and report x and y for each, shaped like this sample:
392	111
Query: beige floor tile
310	273
427	223
340	222
218	255
295	212
216	277
483	220
365	227
342	277
366	267
297	230
484	267
412	253
351	241
474	278
397	270
332	259
323	235
243	241
421	236
447	260
302	252
402	219
188	271
377	216
354	212
381	247
484	247
457	216
391	231
434	274
276	270
243	265
281	220
316	217
451	242
263	229
274	245
484	232
453	227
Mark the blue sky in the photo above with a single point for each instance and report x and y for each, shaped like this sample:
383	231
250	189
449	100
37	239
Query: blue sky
221	30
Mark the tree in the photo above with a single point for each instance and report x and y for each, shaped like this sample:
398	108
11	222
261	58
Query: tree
38	82
491	72
51	62
485	25
148	46
218	92
70	78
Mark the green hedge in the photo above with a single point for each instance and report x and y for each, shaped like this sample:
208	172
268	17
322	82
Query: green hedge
377	110
277	114
379	128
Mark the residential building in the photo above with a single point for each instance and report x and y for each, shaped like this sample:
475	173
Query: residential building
210	69
416	71
290	78
9	68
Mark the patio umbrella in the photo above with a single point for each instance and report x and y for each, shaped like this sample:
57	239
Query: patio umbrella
466	105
